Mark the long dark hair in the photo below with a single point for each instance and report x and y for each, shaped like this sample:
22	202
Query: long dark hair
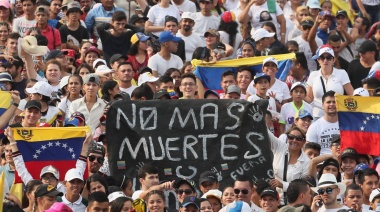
143	91
108	85
272	26
231	29
96	178
134	49
83	65
118	203
29	189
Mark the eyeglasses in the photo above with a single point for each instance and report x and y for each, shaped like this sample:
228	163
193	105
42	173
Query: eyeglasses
306	27
50	179
99	159
188	84
328	190
219	51
293	137
237	191
328	58
186	191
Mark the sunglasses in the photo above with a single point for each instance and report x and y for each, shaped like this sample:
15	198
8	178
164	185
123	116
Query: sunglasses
99	159
328	58
306	27
293	137
328	191
186	191
244	191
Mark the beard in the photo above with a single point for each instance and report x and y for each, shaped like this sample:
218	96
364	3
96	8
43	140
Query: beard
86	9
187	28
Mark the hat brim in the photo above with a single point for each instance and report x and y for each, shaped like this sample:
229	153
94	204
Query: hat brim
190	203
262	77
341	186
31	90
5	80
145	38
310	116
54	194
307	24
74	10
207	33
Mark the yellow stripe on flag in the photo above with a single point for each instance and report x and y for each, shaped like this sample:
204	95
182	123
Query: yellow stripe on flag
2	190
5	99
358	104
37	134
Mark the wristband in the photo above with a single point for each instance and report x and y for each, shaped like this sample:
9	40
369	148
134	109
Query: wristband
13	143
15	104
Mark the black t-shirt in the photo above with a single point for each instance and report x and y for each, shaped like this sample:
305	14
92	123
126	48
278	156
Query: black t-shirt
343	63
77	36
181	50
20	87
356	72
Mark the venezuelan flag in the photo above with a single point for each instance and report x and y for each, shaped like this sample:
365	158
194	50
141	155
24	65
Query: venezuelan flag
56	146
5	103
210	73
359	123
2	177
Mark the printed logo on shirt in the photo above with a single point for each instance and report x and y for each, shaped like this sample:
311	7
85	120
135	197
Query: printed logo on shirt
290	120
265	16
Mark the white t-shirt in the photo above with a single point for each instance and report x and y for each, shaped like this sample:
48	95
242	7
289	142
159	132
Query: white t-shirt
21	105
64	106
271	105
321	132
204	23
136	194
186	6
159	64
21	25
260	15
304	47
323	209
157	15
345	53
225	38
279	88
295	32
231	4
128	90
338	78
289	110
288	12
192	42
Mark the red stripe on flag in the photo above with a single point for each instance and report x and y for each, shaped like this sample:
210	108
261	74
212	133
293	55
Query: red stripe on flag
363	142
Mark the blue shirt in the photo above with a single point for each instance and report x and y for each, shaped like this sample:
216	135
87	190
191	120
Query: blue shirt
323	35
97	16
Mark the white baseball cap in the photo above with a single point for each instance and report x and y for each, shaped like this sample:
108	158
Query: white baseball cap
64	81
297	84
73	174
188	15
42	88
115	195
270	59
146	77
103	69
375	193
98	61
375	66
323	49
213	193
361	92
261	33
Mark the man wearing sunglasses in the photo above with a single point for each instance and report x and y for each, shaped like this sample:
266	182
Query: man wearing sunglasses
243	190
328	190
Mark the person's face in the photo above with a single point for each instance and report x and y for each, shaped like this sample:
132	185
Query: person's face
294	144
18	5
8	85
12	46
83	72
128	191
329	199
74	85
370	183
265	42
313	12
114	90
125	73
140	23
303	123
107	4
85	3
49	179
330	169
97	162
247	51
270	69
42	18
184	190
205	6
143	45
8	154
243	191
307	197
189	208
31	116
325	24
150	180
232	96
74	186
335	46
206	186
312	153
269	203
4	32
216	205
348	165
84	48
46	202
367	56
335	149
119	26
171	26
228	195
358	24
301	14
262	86
188	87
329	106
28	7
327	6
187	24
127	206
177	78
55	6
63	61
91	57
167	86
74	16
156	203
227	81
298	94
97	186
172	46
280	3
292	48
205	206
98	207
375	202
354	198
341	20
210	39
53	73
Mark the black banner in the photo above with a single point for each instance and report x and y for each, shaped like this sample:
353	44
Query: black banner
184	138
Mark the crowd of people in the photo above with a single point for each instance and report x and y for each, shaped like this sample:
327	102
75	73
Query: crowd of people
65	62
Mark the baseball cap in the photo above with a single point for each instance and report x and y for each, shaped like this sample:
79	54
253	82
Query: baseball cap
361	92
161	93
188	15
208	176
191	200
335	139
79	116
42	88
116	57
350	152
323	49
97	149
375	66
303	113
55	53
261	33
367	46
47	190
313	4
341	12
92	49
139	36
50	169
5	77
326	13
5	3
166	36
210	92
238	206
73	174
309	23
122	95
213	193
91	78
146	77
71	122
269	191
137	17
270	60
99	60
219	45
375	193
59	207
184	181
228	17
261	76
64	81
103	69
361	167
212	32
144	69
33	103
42	9
73	7
115	195
373	74
298	84
233	89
